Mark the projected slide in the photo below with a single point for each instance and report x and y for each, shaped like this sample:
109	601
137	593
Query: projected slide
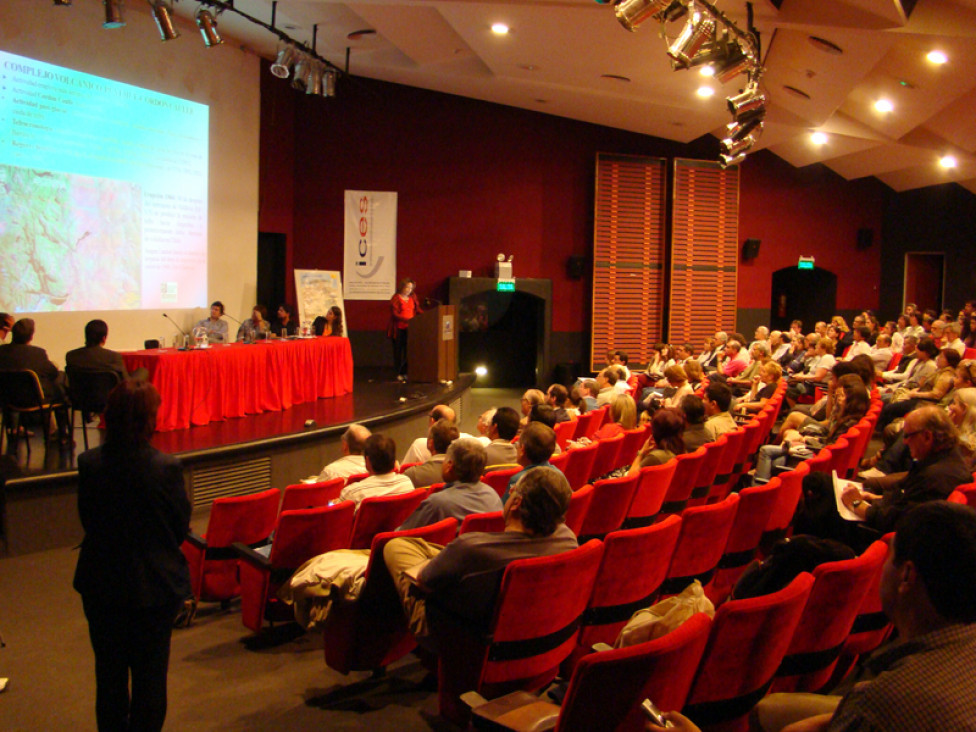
103	193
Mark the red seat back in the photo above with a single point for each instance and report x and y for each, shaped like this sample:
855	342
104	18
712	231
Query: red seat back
580	464
382	513
300	535
838	592
841	451
498	479
957	497
311	495
871	626
491	522
652	486
759	629
750	445
596	422
579	506
583	423
969	492
821	462
683	480
708	470
559	461
633	441
635	563
661	669
726	474
607	454
608	508
564	432
704	534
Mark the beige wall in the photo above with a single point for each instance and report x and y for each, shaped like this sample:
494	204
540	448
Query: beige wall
224	78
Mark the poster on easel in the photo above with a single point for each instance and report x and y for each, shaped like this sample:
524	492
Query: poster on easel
318	290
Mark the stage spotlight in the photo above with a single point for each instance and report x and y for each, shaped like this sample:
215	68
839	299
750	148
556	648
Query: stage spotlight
736	62
282	65
208	28
330	83
748	103
303	71
738	145
113	14
726	160
163	15
314	85
739	130
697	32
631	13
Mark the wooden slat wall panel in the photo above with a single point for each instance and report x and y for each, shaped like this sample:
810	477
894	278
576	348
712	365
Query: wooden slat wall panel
704	251
628	256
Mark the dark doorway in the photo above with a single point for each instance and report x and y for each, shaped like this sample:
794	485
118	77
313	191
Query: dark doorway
272	251
808	295
500	331
924	280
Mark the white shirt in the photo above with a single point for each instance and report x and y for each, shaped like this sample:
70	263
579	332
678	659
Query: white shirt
390	484
418	452
857	349
343	467
957	345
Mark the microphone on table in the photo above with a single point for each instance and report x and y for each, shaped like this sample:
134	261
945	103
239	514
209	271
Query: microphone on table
186	338
233	318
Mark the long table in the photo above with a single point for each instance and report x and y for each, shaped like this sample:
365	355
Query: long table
232	380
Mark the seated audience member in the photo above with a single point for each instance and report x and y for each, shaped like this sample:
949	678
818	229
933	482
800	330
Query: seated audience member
882	353
933	389
623	417
255	327
94	356
621	386
285	323
556	397
717	399
952	339
464	493
937	471
816	370
779	349
352	461
543	413
576	403
667	427
736	360
678	381
418	452
620	359
484	426
758	354
714	349
591	392
962	412
859	344
529	399
439	437
6	323
851	402
504	427
693	371
926	677
761	335
762	389
905	363
536	445
534	516
380	460
694	434
20	354
215	327
606	380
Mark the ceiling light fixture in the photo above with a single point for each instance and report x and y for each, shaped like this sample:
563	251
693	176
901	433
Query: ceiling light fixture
208	28
937	57
707	71
282	65
705	92
499	29
947	161
818	138
884	106
330	83
113	14
162	13
631	13
303	72
696	33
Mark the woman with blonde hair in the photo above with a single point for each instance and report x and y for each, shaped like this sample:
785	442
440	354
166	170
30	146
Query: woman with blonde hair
623	417
678	380
762	389
962	412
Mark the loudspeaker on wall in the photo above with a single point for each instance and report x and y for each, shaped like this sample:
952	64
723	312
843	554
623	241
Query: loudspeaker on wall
750	248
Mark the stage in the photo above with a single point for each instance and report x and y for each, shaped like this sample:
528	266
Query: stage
242	455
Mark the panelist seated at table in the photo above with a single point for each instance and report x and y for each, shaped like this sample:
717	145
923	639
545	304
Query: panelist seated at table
255	327
329	324
285	322
94	356
215	327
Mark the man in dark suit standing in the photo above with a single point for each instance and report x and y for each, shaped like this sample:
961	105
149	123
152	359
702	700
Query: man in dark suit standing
94	356
20	354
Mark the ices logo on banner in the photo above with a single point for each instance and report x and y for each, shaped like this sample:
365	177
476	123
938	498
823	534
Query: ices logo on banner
365	266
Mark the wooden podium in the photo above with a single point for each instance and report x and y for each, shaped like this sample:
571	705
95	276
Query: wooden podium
432	345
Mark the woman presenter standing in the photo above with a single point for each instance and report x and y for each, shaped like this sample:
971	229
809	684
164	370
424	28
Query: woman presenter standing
403	306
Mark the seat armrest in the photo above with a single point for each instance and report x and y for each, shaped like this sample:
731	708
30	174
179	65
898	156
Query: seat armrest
600	647
252	557
196	540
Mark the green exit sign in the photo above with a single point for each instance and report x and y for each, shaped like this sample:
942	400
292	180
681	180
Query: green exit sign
505	286
805	263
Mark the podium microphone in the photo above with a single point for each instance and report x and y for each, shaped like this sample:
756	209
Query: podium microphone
183	332
233	318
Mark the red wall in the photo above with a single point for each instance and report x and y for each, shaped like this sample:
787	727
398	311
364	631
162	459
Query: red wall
475	179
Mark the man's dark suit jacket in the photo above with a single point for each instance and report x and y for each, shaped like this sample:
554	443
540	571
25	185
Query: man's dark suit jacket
96	358
15	356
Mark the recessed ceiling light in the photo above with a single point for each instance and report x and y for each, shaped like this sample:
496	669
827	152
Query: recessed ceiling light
707	70
947	161
542	101
826	46
794	92
358	35
615	77
705	91
884	106
818	138
937	57
499	29
528	67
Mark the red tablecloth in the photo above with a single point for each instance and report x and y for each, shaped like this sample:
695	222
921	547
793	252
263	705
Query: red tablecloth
232	380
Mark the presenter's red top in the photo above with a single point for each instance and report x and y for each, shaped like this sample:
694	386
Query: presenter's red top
402	310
